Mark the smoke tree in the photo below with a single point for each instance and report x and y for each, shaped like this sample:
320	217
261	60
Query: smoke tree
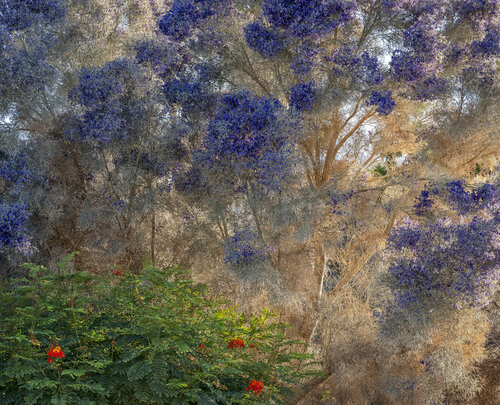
270	143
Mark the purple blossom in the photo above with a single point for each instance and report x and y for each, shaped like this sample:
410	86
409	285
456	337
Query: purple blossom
465	201
267	42
363	69
244	248
384	102
425	201
455	260
471	10
13	226
21	14
180	20
186	15
166	59
430	89
418	38
405	66
489	46
370	72
303	63
302	96
109	112
304	18
14	171
338	201
249	138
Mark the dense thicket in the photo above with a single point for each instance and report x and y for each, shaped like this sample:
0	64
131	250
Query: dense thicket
274	147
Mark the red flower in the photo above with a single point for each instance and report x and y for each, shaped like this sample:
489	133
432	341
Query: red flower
255	386
234	343
55	352
70	301
202	346
117	271
252	346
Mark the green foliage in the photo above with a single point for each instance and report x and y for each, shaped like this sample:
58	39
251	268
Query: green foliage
153	338
379	170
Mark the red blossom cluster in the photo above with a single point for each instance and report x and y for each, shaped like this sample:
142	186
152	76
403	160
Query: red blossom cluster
255	386
234	343
55	352
252	346
117	271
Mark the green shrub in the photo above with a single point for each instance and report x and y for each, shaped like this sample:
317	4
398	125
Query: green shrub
127	339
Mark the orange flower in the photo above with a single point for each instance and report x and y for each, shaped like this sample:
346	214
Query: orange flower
255	386
234	343
55	352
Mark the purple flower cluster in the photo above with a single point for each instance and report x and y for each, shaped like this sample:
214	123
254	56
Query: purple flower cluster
489	46
303	63
471	10
302	96
456	260
193	96
265	41
305	18
24	69
14	171
180	20
418	38
13	226
244	248
464	201
166	59
425	200
384	102
14	214
406	66
430	89
193	90
109	111
186	15
364	69
249	138
21	14
339	201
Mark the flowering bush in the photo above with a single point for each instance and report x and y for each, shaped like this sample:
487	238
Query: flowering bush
136	340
